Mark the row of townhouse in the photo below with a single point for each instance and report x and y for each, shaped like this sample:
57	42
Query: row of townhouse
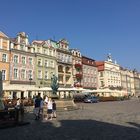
115	77
27	65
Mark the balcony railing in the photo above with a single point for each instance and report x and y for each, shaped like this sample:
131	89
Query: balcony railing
79	66
77	85
79	76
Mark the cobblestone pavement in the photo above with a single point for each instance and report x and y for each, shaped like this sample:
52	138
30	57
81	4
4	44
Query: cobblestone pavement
118	120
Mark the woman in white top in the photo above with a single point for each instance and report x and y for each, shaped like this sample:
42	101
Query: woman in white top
49	109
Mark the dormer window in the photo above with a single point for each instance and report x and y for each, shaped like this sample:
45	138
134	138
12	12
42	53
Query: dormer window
21	47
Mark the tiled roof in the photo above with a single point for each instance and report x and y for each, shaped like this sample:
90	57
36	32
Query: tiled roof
100	65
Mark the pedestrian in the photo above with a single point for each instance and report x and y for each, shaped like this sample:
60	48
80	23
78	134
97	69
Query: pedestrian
17	108
46	100
37	107
54	108
18	102
41	107
49	109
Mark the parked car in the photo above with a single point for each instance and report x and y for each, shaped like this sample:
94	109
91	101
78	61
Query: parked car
91	99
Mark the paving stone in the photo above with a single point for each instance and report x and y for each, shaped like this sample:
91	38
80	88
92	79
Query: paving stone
119	120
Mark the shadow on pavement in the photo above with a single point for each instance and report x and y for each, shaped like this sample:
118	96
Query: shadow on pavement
71	130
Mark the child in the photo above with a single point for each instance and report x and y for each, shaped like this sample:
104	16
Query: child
54	109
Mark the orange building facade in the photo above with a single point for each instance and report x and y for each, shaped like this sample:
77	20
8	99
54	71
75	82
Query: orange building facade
4	57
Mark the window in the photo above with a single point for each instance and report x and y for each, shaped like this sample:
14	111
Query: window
52	64
45	51
95	72
15	73
95	79
66	58
92	80
39	62
62	57
46	63
3	74
102	83
38	50
101	74
4	57
22	47
46	74
15	59
85	79
50	51
23	60
23	74
69	58
88	71
30	74
40	74
51	74
84	70
89	79
59	56
30	61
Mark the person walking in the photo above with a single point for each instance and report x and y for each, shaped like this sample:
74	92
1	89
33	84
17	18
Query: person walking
37	107
54	108
18	102
41	112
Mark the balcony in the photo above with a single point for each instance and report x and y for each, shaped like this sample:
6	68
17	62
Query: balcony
77	85
78	66
79	76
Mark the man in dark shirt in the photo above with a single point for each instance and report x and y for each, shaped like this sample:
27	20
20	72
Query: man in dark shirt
54	108
37	107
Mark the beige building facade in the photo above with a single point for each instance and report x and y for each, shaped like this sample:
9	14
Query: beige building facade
109	74
77	70
64	62
127	81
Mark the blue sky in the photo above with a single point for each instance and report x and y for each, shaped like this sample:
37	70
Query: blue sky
95	27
